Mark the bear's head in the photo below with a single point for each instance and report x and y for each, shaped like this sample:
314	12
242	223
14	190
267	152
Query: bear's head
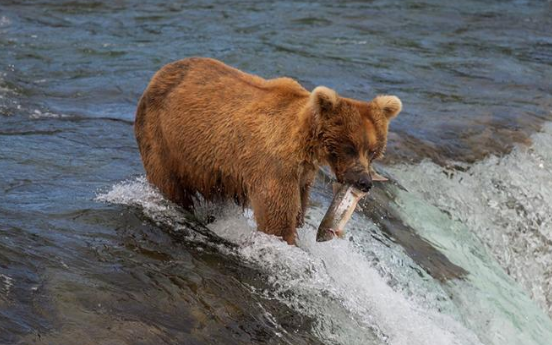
351	133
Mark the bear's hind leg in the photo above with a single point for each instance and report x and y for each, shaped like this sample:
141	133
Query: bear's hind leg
179	194
172	188
307	180
184	198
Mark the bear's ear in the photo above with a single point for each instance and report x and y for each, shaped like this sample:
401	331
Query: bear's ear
390	106
323	100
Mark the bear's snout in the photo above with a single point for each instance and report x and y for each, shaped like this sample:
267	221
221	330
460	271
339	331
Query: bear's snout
364	183
360	180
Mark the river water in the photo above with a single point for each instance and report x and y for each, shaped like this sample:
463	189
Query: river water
456	250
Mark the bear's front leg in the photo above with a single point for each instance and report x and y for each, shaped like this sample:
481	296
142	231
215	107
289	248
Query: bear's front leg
275	208
304	204
307	180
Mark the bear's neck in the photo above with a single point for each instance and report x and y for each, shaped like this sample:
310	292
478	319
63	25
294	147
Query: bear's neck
308	137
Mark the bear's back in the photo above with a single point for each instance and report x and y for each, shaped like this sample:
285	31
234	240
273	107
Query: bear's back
198	74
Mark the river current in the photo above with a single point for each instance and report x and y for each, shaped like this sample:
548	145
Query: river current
457	249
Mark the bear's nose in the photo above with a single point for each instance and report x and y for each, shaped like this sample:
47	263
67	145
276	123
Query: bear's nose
364	183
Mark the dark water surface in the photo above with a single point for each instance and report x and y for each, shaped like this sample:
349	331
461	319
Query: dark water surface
474	77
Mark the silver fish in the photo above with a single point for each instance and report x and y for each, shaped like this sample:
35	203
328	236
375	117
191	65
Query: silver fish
340	211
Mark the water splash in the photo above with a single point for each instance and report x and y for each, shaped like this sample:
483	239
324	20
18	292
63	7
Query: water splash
358	291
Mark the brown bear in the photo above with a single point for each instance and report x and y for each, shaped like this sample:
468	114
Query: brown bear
204	127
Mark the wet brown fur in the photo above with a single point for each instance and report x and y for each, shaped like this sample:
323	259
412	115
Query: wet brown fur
205	127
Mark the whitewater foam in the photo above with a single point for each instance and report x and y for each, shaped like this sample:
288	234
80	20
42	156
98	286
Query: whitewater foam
6	285
506	202
8	99
38	114
4	21
355	295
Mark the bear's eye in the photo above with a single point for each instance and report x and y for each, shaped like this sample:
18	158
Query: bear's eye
350	150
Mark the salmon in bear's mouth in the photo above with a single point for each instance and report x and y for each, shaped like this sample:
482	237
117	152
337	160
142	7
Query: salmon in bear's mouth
343	204
340	211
